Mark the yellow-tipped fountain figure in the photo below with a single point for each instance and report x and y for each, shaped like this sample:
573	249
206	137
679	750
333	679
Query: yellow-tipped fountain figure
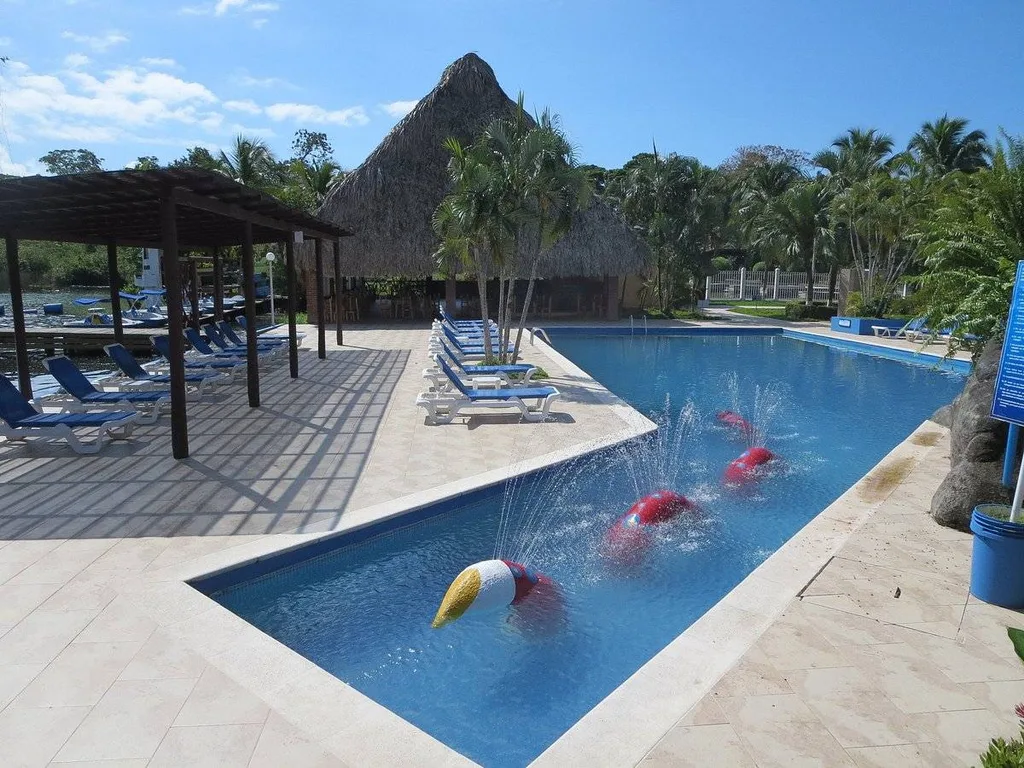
494	584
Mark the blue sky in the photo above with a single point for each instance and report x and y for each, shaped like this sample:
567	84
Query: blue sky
150	77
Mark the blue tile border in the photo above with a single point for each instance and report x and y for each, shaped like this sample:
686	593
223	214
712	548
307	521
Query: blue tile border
232	576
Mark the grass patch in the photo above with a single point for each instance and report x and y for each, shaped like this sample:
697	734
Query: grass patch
744	302
774	312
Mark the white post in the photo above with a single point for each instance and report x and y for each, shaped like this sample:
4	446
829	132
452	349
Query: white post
775	288
743	280
270	260
707	288
904	290
1018	495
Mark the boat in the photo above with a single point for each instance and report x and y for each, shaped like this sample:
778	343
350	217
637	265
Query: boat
99	318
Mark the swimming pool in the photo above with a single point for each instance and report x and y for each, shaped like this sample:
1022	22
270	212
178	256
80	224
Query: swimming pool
501	695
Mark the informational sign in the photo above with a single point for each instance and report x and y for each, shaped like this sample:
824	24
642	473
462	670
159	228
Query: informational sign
1008	402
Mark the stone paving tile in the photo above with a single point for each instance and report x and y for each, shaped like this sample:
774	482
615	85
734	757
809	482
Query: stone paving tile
31	736
699	746
79	676
282	744
218	700
130	721
207	746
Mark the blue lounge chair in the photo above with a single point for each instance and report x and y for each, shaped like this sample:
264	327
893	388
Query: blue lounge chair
131	368
162	345
261	334
217	339
19	421
444	406
468	349
468	324
199	345
517	370
86	396
230	336
908	331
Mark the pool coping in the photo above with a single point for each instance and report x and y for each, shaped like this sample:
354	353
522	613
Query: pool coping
663	689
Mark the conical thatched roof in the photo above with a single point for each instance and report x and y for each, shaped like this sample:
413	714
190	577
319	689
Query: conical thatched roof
389	200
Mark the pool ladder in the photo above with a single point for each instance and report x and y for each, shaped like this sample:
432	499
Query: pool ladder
535	332
631	330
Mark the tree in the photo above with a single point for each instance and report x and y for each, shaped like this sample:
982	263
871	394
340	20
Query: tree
880	216
797	221
146	163
971	243
311	147
250	162
61	162
198	157
856	155
318	178
945	146
748	157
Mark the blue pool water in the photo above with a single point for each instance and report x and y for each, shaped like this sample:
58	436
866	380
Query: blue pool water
499	692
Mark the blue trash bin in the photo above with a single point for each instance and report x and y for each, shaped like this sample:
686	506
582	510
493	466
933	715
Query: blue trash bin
997	561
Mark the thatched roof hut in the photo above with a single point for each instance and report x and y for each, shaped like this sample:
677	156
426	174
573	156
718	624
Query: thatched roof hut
389	200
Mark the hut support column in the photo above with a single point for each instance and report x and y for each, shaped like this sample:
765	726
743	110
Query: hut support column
293	333
321	330
193	291
338	330
18	311
175	327
115	291
611	289
218	284
249	288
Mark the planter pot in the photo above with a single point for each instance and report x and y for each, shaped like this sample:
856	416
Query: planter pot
997	562
863	326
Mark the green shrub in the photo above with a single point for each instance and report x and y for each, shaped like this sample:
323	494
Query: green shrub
855	304
721	264
1004	754
796	310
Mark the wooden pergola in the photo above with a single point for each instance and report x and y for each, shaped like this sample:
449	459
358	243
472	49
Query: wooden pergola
174	209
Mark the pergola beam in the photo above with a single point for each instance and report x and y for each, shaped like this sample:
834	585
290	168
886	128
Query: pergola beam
321	331
237	212
338	330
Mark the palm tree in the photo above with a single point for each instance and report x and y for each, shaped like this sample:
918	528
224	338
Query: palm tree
856	155
972	244
319	178
797	221
250	162
538	188
945	146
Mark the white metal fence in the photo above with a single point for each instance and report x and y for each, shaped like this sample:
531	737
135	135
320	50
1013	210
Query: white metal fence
744	285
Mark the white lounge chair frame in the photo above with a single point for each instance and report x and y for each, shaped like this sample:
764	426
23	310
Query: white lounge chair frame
119	429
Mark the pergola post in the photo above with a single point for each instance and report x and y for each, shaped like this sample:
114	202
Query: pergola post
449	295
321	329
18	311
218	284
193	291
293	333
249	288
175	327
115	291
339	332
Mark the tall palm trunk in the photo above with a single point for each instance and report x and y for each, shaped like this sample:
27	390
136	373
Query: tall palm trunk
481	284
526	308
810	275
509	309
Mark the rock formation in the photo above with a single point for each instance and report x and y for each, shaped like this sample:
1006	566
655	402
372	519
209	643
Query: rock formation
977	443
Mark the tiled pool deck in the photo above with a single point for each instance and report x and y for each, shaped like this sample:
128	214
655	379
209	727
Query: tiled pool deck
106	656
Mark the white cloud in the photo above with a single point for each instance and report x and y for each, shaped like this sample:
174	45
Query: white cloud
5	42
243	105
159	62
102	43
75	60
259	23
226	7
312	114
11	168
399	108
244	79
78	106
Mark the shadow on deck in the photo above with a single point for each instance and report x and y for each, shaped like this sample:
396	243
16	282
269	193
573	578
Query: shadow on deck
285	466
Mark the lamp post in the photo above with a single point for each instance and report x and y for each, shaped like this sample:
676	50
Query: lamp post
271	258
